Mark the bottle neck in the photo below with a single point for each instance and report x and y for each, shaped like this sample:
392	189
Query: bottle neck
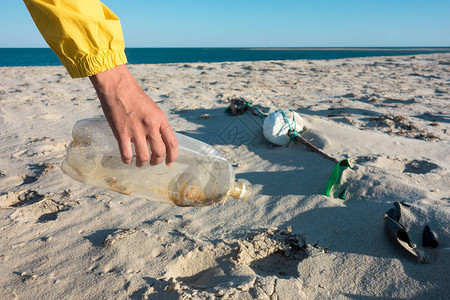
240	191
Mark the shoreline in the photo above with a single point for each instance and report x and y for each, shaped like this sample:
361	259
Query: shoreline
45	57
353	48
406	56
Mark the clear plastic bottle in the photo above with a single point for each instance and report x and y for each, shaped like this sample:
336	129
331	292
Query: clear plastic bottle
200	176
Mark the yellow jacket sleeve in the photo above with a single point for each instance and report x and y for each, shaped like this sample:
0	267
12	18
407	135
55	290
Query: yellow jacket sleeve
85	34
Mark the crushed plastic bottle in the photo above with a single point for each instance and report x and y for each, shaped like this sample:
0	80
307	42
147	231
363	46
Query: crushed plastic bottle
200	176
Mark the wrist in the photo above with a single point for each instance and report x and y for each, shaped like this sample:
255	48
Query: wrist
109	80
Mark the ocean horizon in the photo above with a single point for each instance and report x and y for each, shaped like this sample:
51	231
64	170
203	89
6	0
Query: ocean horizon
15	57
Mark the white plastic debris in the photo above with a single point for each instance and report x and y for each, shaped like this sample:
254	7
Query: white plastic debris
276	127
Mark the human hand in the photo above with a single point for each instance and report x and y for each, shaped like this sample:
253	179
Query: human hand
134	118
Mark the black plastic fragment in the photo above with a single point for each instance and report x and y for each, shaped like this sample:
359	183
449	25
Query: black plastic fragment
429	238
399	234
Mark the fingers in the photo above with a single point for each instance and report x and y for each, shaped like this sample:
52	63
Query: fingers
125	150
163	143
157	147
141	148
171	144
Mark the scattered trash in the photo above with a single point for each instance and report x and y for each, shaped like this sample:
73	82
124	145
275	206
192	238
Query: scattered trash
283	127
398	233
289	128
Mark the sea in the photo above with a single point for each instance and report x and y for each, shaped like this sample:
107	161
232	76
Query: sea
10	57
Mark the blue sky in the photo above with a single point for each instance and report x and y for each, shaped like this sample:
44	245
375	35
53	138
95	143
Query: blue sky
263	23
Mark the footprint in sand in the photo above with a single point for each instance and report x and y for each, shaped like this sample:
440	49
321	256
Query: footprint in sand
273	253
10	181
39	147
36	172
420	167
400	164
397	179
30	205
251	269
10	198
115	244
23	198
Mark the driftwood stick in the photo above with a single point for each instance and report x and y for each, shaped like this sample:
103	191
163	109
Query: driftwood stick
313	148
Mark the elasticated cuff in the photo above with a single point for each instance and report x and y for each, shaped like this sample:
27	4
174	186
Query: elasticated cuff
95	64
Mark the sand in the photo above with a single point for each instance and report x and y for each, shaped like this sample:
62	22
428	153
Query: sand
60	239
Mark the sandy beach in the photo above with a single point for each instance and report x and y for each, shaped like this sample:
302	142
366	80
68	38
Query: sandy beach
390	116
